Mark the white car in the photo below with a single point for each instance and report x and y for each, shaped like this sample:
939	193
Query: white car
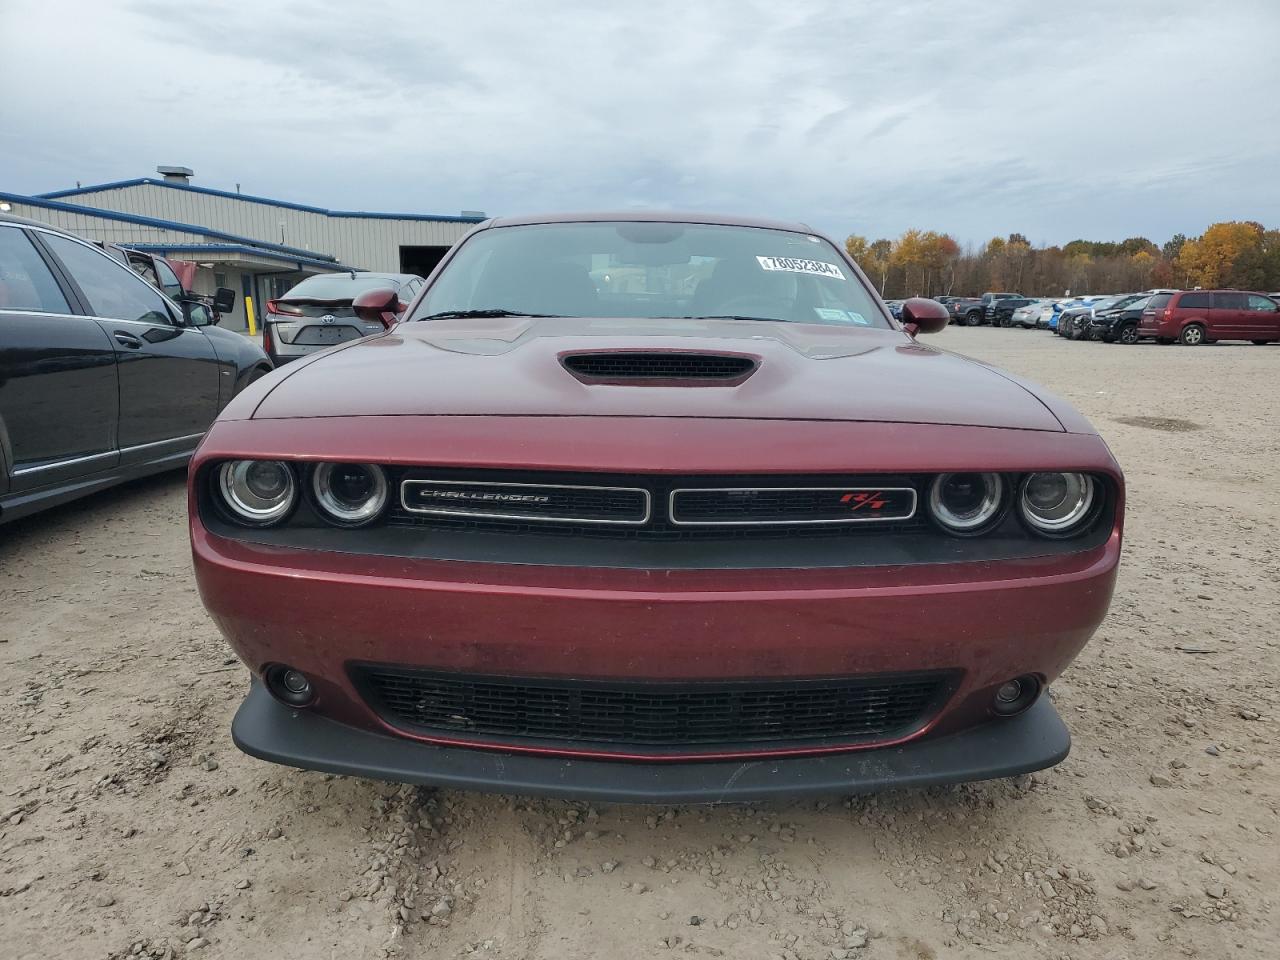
1029	316
1047	310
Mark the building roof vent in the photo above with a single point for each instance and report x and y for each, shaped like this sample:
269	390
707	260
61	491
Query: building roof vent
176	174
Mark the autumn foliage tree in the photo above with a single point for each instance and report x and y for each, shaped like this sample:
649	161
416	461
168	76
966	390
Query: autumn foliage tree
1226	255
1244	255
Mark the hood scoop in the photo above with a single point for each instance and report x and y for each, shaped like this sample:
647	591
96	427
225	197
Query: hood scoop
661	367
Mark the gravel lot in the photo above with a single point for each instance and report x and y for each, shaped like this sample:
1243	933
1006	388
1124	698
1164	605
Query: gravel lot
130	825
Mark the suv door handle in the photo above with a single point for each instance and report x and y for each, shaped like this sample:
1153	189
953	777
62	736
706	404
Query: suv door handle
127	340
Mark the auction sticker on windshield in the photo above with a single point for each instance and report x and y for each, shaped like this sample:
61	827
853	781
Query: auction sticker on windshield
841	316
795	265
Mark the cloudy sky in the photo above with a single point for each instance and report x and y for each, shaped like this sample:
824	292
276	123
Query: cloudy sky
978	117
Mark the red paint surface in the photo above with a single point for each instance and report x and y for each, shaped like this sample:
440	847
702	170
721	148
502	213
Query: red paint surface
510	367
657	444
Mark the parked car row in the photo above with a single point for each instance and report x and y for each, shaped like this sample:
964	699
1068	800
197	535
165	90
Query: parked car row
1190	317
1185	316
973	311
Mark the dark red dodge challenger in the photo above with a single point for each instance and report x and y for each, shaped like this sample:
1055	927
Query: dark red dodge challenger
655	508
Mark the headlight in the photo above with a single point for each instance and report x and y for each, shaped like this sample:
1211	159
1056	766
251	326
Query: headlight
257	492
967	503
350	494
1057	504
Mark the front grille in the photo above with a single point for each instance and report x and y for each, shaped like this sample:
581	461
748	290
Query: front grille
658	366
652	714
532	502
610	505
792	505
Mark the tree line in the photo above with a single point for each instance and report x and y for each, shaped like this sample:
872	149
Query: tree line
1236	254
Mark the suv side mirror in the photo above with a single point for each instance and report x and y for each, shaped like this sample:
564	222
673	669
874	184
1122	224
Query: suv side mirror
377	306
921	315
224	299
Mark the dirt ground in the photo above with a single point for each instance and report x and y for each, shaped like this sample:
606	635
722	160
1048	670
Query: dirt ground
130	825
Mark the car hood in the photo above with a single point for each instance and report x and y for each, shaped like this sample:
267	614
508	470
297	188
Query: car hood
512	367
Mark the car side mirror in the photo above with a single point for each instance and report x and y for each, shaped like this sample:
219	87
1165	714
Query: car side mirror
921	315
197	314
377	306
224	300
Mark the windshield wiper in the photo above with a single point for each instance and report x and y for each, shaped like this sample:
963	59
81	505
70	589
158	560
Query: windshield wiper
459	314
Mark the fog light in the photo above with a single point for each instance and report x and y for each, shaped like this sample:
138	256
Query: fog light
1016	695
298	684
1008	692
289	686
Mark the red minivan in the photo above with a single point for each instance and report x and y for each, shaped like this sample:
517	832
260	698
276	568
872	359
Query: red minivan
1194	317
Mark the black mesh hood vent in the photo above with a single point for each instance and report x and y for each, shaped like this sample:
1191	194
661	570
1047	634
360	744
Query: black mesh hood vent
636	366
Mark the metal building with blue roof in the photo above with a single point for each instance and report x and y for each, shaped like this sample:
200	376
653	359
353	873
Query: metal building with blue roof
257	246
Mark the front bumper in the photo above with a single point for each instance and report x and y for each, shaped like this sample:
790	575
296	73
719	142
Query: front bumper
270	731
326	611
321	612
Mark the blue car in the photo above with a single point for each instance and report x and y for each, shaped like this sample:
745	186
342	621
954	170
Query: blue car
1058	308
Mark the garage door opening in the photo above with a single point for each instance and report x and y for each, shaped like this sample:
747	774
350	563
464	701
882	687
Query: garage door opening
420	260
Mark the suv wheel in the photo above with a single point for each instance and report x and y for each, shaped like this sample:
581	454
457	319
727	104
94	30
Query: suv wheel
973	318
1192	335
1128	333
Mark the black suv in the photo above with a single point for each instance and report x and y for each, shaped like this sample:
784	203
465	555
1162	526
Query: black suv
1118	323
999	311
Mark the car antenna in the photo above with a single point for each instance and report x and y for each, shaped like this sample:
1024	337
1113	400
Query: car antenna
353	273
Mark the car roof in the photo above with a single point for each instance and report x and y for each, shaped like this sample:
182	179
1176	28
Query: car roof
27	222
649	216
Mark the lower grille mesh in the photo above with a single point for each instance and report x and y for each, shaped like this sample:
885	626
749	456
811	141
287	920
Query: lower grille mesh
652	714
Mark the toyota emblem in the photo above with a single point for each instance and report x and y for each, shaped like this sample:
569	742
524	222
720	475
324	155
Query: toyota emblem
328	318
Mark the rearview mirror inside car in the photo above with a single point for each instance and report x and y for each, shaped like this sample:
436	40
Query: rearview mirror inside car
224	299
377	306
921	315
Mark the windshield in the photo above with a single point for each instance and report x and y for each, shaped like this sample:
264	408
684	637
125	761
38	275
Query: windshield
340	287
652	270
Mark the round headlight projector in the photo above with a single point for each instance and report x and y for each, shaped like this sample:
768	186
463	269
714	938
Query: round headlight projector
1056	504
350	494
257	492
967	503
